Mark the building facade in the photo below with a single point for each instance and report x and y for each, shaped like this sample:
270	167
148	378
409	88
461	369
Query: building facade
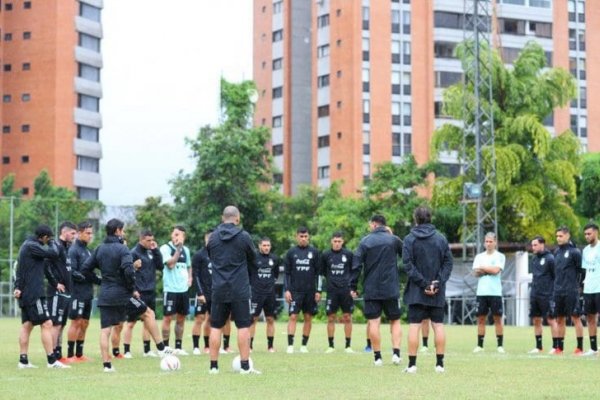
51	58
345	85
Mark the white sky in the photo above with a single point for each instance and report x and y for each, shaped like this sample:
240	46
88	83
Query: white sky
162	64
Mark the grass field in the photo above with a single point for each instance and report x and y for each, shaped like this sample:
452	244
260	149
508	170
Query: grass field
300	376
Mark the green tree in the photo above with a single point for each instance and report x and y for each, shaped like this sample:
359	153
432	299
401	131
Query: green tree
154	215
233	167
588	200
535	172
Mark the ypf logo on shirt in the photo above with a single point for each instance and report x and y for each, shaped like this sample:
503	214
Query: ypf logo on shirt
344	259
310	256
271	263
567	254
543	261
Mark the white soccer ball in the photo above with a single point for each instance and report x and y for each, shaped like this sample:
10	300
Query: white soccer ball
170	363
236	364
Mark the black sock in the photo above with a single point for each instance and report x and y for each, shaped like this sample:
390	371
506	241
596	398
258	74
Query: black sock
330	340
304	340
166	342
70	348
396	352
146	346
555	343
290	340
580	342
412	361
107	365
538	342
225	341
126	347
439	360
23	359
206	341
196	341
116	351
214	364
245	365
51	358
178	343
593	343
251	343
368	342
348	340
270	342
377	355
160	346
425	341
480	340
79	348
500	339
561	343
58	352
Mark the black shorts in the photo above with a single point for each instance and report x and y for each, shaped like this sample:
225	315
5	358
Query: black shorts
578	309
112	315
59	309
176	303
80	309
417	313
202	308
239	311
263	302
391	308
336	300
485	304
591	303
136	307
304	302
36	313
539	307
563	305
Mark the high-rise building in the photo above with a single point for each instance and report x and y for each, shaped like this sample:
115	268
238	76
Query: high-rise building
347	84
50	83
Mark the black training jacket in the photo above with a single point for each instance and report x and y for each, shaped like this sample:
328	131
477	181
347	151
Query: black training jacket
301	265
567	270
202	273
542	267
114	261
61	270
426	257
231	251
83	288
264	273
336	267
31	269
377	254
145	277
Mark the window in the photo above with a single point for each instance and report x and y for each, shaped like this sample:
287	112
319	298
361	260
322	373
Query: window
277	149
323	141
517	2
8	6
396	82
25	128
26	35
509	55
7	37
89	42
87	193
323	81
407	144
89	72
365	18
89	12
277	121
406	53
323	51
540	29
5	160
511	26
277	92
395	21
407	82
278	178
444	49
25	97
444	79
366	142
89	164
366	46
323	21
7	98
395	113
406	114
25	159
438	110
89	103
366	170
583	97
88	133
406	22
323	111
5	128
396	144
277	7
540	3
443	19
366	80
26	66
25	191
277	64
366	111
7	67
323	172
27	5
278	35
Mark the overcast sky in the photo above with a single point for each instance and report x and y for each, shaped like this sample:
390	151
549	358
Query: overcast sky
162	65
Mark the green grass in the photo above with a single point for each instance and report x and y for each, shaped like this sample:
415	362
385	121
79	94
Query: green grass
302	376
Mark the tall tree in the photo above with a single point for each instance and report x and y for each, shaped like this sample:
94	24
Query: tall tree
588	200
535	171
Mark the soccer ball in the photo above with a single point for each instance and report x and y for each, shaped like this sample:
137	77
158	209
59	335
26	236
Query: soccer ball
236	364
170	363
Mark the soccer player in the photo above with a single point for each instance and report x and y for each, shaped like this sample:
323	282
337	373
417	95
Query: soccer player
567	270
301	275
60	296
488	266
118	296
29	290
591	285
542	267
202	275
147	259
336	268
177	279
231	251
83	292
263	275
377	255
428	262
